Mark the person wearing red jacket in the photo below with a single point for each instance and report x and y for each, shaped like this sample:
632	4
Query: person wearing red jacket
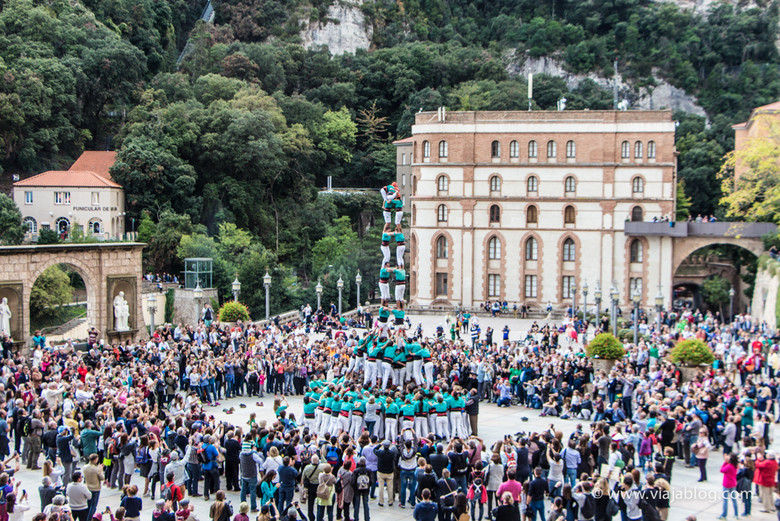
765	478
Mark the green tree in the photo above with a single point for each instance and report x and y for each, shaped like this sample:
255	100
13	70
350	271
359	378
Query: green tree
48	236
755	194
50	290
11	229
716	292
683	203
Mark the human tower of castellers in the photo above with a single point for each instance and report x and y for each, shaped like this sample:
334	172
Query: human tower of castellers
387	357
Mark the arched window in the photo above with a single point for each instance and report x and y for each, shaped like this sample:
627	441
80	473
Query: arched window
426	149
494	249
532	215
651	150
625	150
533	149
442	148
637	251
533	184
638	150
638	185
442	183
569	215
495	149
495	214
95	226
495	184
30	225
569	251
552	149
531	249
636	214
514	149
62	225
571	150
442	247
442	213
570	184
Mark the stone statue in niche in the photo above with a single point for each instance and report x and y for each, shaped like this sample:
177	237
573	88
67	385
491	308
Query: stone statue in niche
121	313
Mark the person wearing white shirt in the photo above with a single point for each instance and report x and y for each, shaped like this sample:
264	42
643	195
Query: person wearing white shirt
17	508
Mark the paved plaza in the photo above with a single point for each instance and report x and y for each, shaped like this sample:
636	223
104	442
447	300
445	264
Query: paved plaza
689	497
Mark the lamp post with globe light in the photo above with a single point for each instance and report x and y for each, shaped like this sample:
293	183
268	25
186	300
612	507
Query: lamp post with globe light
318	290
267	284
340	286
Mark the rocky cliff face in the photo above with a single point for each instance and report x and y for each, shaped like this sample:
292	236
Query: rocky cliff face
345	31
662	96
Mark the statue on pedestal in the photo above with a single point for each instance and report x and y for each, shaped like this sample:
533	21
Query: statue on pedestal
5	317
121	313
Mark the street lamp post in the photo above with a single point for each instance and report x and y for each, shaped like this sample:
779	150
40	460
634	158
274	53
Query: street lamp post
197	294
358	280
267	284
597	296
659	307
585	302
731	303
637	298
614	295
152	308
318	290
340	286
236	288
573	302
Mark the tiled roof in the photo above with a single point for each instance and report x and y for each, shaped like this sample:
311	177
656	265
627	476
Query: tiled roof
409	139
68	178
95	161
771	106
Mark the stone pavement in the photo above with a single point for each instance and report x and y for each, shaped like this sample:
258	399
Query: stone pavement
689	497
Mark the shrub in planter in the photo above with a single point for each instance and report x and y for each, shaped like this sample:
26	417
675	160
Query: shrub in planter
691	353
232	311
605	347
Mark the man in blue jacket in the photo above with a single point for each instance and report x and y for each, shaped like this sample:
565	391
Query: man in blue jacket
210	471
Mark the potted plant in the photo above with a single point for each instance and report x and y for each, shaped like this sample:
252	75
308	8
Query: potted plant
232	311
691	356
604	350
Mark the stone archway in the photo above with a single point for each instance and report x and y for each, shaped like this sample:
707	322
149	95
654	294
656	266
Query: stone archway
106	269
685	246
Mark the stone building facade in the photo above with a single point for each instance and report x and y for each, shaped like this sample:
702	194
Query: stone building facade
527	206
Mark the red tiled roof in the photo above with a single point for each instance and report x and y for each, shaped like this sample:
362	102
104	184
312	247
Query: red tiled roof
95	161
409	139
68	178
771	106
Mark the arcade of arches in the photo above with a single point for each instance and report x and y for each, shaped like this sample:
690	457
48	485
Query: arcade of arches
106	268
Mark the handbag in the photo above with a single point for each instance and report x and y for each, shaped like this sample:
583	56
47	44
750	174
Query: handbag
612	508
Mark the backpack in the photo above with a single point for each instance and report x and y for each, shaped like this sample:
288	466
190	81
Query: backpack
588	510
460	464
227	512
166	493
323	491
649	512
363	482
332	456
26	426
142	457
202	456
306	455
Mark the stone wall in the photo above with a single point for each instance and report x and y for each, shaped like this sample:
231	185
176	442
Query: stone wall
765	292
346	29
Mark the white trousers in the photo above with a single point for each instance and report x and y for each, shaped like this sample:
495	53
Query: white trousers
370	376
400	290
384	290
387	372
428	366
421	426
417	372
391	429
442	427
356	426
385	254
399	255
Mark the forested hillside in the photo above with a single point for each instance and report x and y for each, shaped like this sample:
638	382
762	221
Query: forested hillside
252	122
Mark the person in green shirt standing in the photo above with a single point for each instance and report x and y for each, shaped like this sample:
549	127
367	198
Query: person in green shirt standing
400	286
358	412
400	247
391	419
384	283
442	424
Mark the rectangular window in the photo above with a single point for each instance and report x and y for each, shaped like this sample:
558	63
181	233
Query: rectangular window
494	285
403	159
441	284
403	179
28	198
635	284
568	286
95	198
530	286
61	197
